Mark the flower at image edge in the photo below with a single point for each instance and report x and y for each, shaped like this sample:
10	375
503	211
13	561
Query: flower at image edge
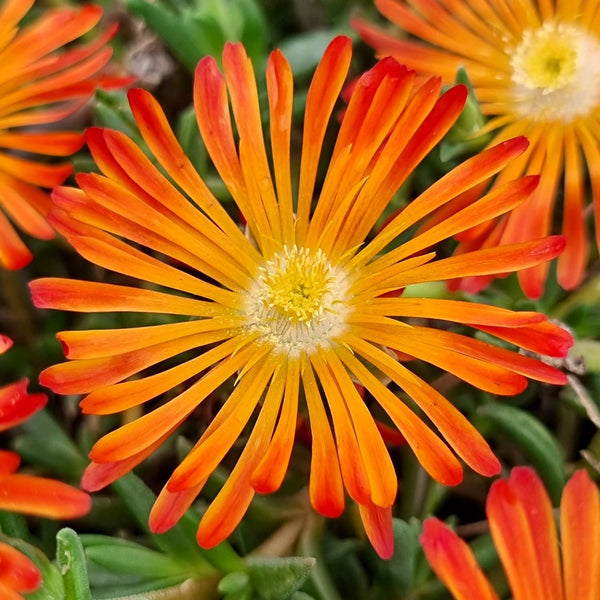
295	310
27	494
524	532
16	405
41	83
535	73
18	574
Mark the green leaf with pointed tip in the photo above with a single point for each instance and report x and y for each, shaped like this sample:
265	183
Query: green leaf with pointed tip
123	556
532	438
180	34
397	573
180	540
72	564
234	583
279	578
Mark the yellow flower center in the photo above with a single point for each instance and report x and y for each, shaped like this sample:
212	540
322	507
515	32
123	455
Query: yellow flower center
556	73
295	287
297	301
545	59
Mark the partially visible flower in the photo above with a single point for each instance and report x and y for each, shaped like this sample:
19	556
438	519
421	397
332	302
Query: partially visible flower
523	527
18	574
40	84
16	405
535	68
27	494
303	308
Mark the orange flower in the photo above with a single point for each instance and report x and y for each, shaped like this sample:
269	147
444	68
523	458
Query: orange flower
295	310
31	495
27	494
535	69
17	573
524	532
39	85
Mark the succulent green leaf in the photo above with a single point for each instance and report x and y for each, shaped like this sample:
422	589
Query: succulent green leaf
71	561
279	578
532	438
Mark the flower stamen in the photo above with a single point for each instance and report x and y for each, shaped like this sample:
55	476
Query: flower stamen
297	300
556	73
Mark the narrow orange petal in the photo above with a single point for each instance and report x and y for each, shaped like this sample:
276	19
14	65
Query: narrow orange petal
228	508
514	541
323	92
227	426
376	458
488	261
83	376
465	176
268	474
326	487
580	537
457	311
542	338
161	140
169	507
534	499
435	456
354	472
280	89
91	296
571	264
377	522
454	562
109	399
97	343
98	475
42	497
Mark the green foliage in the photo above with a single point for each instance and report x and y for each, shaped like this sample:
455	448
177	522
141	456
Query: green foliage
192	30
533	438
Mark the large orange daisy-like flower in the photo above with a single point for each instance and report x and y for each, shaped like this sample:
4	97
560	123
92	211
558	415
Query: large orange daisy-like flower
524	532
535	68
304	305
41	84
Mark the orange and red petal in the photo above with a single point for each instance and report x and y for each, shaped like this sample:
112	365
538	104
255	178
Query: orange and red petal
534	499
326	487
9	462
5	343
42	497
377	522
454	563
323	93
17	572
16	405
580	537
515	541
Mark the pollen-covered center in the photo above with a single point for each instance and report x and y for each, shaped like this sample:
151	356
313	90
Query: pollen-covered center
297	301
296	286
556	73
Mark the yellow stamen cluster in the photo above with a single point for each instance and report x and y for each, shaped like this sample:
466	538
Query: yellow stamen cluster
546	58
556	73
296	283
297	300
